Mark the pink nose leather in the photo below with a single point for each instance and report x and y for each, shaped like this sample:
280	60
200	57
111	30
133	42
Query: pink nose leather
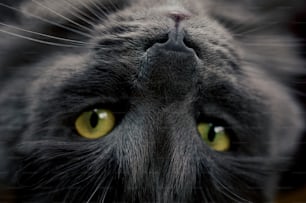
178	16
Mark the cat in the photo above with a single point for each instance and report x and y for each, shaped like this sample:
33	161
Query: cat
147	101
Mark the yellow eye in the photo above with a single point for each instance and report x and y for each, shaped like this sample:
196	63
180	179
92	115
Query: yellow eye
215	136
95	124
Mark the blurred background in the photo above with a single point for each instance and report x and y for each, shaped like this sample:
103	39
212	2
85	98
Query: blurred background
293	183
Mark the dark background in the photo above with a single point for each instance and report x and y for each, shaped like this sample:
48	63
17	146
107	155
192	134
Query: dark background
296	176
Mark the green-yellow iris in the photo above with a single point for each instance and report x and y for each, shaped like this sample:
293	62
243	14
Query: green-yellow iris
95	123
215	136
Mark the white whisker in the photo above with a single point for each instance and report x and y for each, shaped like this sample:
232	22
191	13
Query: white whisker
272	44
45	35
78	13
106	189
62	16
40	41
96	189
114	6
254	30
228	192
99	8
48	21
91	11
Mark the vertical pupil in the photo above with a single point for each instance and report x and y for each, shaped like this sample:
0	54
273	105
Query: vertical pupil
211	133
94	119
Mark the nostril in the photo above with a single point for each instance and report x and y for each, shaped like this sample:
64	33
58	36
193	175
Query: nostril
160	39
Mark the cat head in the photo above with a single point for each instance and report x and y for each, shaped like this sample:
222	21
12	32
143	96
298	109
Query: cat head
166	80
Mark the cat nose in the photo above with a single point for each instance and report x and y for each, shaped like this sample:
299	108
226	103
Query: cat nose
175	42
176	35
178	16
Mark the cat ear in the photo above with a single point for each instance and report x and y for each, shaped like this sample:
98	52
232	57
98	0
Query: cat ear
62	11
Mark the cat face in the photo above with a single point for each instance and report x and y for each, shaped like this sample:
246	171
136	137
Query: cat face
132	99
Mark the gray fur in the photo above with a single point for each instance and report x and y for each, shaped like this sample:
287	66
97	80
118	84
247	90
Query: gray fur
237	72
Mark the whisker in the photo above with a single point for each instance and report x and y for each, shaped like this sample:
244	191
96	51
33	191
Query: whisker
99	8
62	16
253	30
229	193
63	174
276	44
90	10
48	21
103	195
81	13
45	35
253	24
114	6
99	179
102	9
39	41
